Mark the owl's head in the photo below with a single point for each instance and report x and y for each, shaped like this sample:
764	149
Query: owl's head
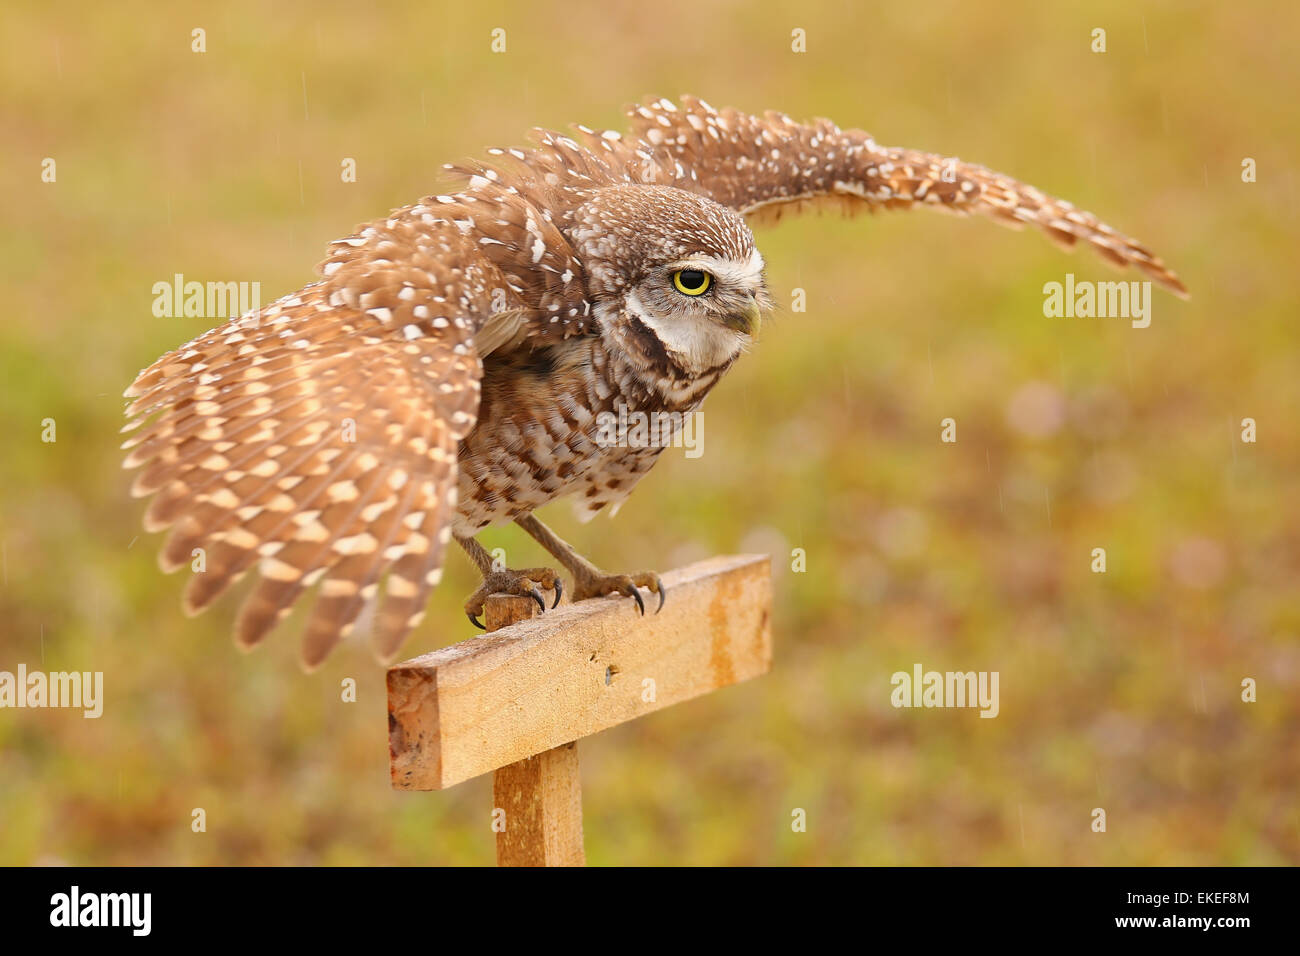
675	277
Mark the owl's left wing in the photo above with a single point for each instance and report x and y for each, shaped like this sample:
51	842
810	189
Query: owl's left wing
765	166
315	439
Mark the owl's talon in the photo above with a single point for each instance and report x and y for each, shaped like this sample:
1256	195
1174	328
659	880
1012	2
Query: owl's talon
654	584
598	585
527	583
559	593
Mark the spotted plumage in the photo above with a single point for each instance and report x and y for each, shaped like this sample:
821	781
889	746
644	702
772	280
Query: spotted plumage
449	368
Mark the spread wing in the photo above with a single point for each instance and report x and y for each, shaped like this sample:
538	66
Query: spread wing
316	438
765	166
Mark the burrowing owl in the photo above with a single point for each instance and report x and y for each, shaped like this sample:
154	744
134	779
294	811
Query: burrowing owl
448	369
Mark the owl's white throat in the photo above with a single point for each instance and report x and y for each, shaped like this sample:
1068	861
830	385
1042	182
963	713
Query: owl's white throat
695	345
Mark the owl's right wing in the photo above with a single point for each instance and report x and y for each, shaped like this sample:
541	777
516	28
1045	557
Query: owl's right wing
315	439
765	166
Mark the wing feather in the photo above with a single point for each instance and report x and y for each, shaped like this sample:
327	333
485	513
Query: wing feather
316	439
766	166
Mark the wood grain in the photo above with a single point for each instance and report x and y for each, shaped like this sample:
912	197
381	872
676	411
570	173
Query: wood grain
541	798
493	700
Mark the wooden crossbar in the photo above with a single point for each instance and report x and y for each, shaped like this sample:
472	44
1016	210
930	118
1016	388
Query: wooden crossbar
516	699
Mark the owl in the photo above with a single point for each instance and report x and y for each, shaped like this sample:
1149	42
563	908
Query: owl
454	364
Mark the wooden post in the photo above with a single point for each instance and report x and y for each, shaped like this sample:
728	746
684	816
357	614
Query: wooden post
540	797
516	700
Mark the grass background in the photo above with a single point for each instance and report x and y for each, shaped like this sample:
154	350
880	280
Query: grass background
1119	691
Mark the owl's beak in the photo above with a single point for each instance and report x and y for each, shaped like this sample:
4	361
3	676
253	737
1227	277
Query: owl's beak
747	320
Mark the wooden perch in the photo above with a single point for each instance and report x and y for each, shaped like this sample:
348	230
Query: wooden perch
543	682
517	700
541	798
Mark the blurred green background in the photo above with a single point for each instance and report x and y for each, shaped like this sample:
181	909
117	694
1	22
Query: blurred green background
1118	690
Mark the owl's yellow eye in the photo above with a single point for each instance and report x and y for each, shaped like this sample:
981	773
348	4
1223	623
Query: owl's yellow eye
692	281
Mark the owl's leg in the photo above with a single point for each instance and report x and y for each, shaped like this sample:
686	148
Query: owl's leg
526	583
589	580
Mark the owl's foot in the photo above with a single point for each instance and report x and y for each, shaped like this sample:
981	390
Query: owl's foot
589	585
529	582
589	581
